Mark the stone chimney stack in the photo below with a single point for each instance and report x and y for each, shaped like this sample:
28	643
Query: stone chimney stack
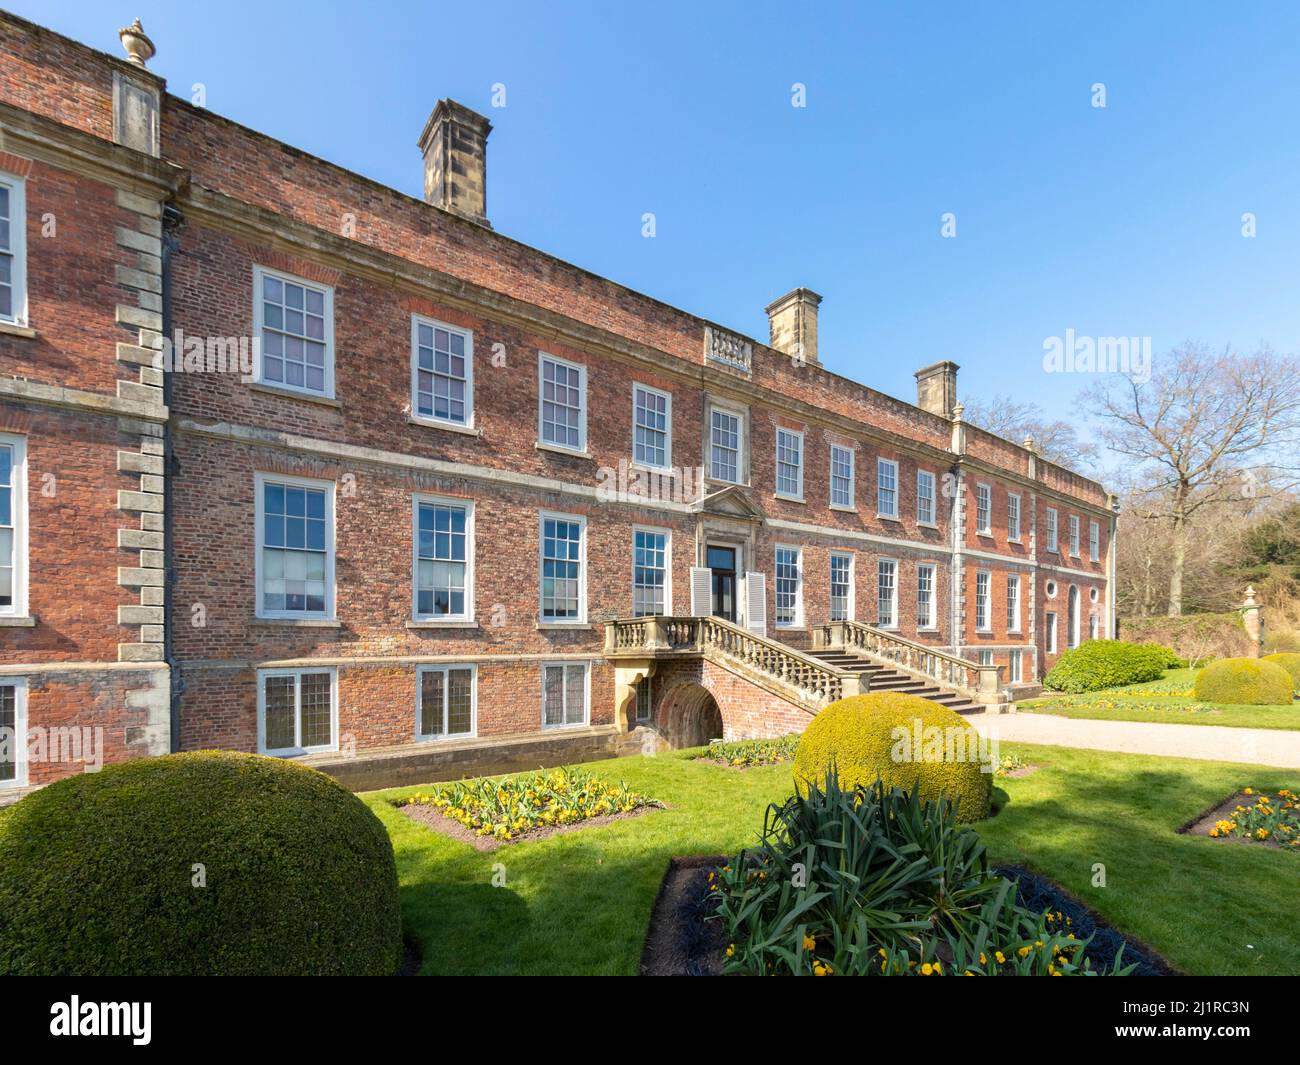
454	143
936	388
793	322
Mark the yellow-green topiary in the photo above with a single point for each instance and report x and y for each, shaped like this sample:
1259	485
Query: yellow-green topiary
1244	682
1290	661
902	739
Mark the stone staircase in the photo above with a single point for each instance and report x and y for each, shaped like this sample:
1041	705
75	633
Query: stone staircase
874	677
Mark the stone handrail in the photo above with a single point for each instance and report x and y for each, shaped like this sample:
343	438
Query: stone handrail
978	681
815	682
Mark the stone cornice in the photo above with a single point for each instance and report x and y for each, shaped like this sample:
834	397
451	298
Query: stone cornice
20	389
977	465
55	144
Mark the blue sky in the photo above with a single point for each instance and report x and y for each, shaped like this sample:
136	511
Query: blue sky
1116	221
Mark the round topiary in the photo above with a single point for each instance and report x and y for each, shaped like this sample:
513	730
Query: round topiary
204	863
1290	661
1244	682
905	741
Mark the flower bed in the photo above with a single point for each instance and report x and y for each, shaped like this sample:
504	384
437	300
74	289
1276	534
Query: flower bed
744	754
507	810
1258	817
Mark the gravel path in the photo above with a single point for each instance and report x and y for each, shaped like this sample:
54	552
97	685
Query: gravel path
1211	742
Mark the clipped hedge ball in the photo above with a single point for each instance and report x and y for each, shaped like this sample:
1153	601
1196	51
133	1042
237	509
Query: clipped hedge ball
1290	661
203	863
857	737
1244	682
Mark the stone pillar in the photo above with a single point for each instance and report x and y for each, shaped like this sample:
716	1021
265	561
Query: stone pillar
792	323
1253	622
936	388
454	145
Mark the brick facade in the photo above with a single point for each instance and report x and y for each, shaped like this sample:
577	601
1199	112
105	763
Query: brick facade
146	557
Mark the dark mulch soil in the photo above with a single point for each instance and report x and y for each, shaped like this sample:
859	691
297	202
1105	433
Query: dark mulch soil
682	941
1225	811
432	817
1039	894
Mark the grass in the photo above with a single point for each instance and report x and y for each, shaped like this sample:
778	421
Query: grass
579	903
1166	701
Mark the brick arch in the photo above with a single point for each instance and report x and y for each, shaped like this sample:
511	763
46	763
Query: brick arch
689	715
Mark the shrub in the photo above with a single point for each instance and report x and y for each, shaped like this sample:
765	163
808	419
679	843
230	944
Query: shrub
857	738
1193	637
1097	664
1244	682
207	863
887	885
1290	661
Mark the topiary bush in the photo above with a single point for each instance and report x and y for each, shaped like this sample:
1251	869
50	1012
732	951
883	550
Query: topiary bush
1290	661
207	863
868	737
1244	682
1097	664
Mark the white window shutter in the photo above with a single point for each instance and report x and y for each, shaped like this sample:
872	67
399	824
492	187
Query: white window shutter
701	591
756	603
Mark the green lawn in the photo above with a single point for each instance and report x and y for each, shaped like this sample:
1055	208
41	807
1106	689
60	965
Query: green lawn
579	902
1167	701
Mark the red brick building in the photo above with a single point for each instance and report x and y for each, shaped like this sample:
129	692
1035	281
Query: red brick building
293	462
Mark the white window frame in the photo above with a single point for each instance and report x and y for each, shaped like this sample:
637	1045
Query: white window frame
929	621
667	397
920	518
797	622
259	310
797	495
1053	531
644	688
1094	541
581	619
418	499
1049	627
983	509
1013	517
586	693
986	576
1092	626
1074	535
542	359
17	187
289	752
667	534
984	656
1013	602
881	466
19	516
893	609
19	738
1017	666
742	443
445	669
852	593
259	483
851	505
418	320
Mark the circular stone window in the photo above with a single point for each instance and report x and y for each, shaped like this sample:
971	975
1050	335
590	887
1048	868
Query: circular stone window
1093	595
1051	589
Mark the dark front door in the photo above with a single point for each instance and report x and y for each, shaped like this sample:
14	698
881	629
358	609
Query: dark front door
722	561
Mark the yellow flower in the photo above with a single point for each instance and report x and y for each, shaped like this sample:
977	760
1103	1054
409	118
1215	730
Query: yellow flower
822	969
809	943
983	959
731	950
1023	952
926	970
1002	958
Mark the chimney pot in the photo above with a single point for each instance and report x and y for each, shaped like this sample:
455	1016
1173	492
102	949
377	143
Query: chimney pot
454	145
793	323
936	388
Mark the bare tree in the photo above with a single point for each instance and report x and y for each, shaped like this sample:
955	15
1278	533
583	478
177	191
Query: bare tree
1205	429
1056	441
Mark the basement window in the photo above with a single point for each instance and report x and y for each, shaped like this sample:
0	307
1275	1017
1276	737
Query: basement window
447	696
13	732
297	711
565	694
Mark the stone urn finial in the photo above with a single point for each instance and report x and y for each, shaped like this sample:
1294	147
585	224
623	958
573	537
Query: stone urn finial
957	411
139	49
1250	595
1029	443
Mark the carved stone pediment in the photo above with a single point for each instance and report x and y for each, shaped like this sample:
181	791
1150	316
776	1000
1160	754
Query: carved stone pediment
730	502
